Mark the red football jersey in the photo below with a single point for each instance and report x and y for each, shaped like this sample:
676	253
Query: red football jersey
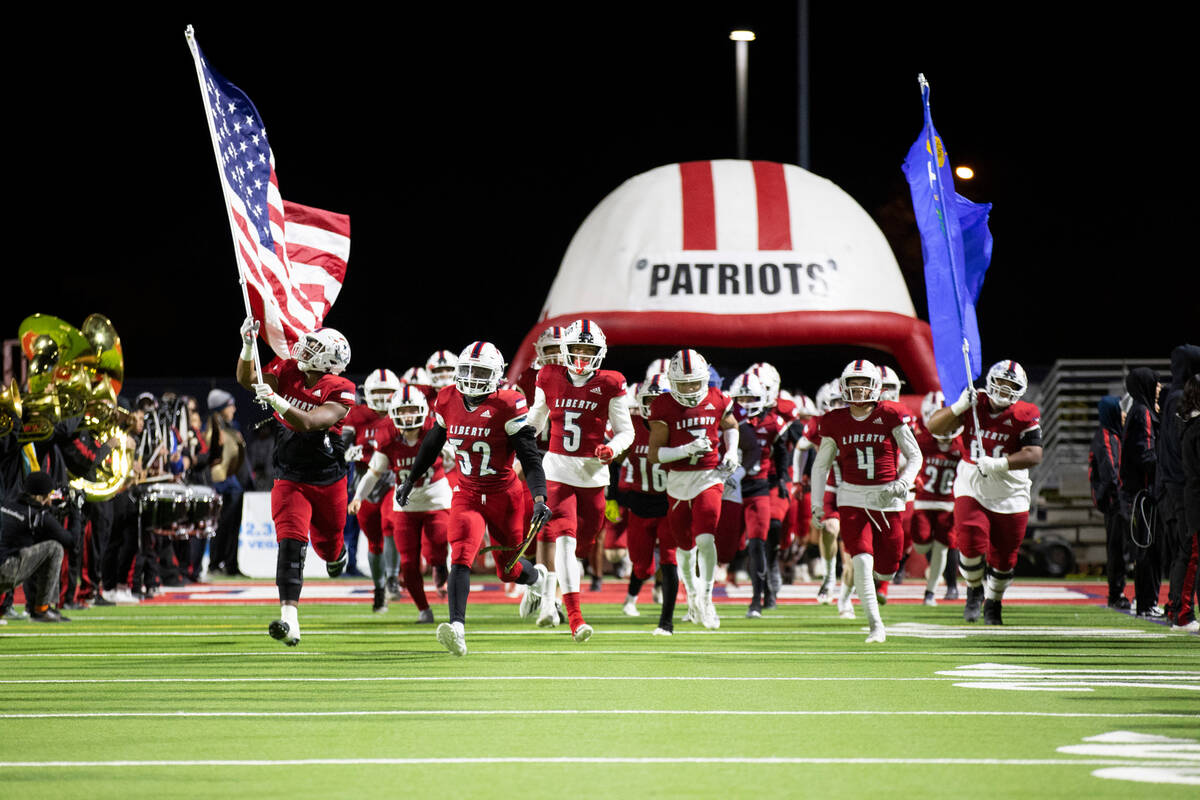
480	437
290	382
371	429
685	424
637	473
1001	431
938	468
786	409
400	455
866	449
767	428
578	414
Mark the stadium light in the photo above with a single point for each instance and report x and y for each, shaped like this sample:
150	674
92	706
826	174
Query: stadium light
741	36
966	173
741	40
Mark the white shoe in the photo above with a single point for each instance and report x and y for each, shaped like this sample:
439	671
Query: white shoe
693	613
453	638
930	600
122	595
753	613
1191	627
425	617
662	632
877	634
548	616
630	609
531	598
582	633
708	615
824	594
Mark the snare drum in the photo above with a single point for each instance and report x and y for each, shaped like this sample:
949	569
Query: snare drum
163	506
203	511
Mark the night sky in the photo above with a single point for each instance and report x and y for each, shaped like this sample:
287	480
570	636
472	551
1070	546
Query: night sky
467	148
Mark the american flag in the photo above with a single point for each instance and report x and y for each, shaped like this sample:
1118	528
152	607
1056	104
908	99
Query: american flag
292	258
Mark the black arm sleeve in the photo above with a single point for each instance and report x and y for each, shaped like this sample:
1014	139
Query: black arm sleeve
524	444
781	456
431	446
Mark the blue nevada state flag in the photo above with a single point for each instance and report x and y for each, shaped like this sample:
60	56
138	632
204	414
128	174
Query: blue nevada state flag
957	248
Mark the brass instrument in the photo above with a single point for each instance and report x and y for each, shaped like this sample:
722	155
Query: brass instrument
10	408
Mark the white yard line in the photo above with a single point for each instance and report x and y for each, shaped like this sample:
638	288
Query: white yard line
288	652
898	630
592	712
300	762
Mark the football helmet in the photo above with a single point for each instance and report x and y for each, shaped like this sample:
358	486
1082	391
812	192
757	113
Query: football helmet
890	383
548	347
440	367
932	402
408	408
805	407
480	368
1015	383
583	347
829	397
649	389
748	392
378	389
687	376
416	375
769	376
860	370
322	350
658	366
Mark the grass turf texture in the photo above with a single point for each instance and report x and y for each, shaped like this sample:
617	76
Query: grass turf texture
185	684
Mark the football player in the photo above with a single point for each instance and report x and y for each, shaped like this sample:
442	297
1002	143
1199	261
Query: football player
686	426
428	510
891	383
440	368
309	399
992	486
866	439
576	399
642	487
933	512
782	507
487	426
364	428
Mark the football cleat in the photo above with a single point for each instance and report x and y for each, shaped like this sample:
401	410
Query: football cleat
881	590
877	634
693	614
630	609
753	613
929	599
425	617
379	604
548	617
531	599
582	633
453	638
597	584
336	567
662	632
992	613
393	588
283	632
951	593
971	608
708	615
825	593
1187	627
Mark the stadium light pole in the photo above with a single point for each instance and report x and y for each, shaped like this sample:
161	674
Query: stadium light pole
741	40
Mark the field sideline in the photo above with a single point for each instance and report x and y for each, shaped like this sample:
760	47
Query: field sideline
195	700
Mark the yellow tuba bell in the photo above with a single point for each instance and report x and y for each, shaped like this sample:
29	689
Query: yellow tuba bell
10	408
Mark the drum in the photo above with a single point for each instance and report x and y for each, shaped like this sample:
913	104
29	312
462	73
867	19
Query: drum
163	506
203	511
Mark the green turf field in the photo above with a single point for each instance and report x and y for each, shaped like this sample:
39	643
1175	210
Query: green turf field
197	701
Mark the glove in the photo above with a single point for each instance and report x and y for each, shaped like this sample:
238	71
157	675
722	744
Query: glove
403	491
781	490
354	453
887	494
729	462
612	511
249	335
989	467
604	453
964	401
697	446
541	514
266	397
818	514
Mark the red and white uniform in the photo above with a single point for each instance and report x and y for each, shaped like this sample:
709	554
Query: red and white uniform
1001	431
576	415
642	484
933	509
370	428
488	493
694	485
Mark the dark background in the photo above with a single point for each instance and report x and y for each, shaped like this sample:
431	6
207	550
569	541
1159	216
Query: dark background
468	146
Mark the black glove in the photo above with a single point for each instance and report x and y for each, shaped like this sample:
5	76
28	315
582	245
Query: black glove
782	490
541	514
403	491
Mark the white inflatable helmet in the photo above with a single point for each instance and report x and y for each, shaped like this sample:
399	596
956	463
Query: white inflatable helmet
323	350
378	389
408	408
860	370
480	368
1015	383
687	376
440	367
583	347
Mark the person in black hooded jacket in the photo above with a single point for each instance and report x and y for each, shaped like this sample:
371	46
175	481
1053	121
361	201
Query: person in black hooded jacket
1138	465
1104	460
1189	412
1185	362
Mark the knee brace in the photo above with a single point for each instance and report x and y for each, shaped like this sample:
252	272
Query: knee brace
289	569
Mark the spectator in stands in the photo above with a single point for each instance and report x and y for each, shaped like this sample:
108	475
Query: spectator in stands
1104	462
260	456
1138	465
1185	362
1189	411
227	452
32	541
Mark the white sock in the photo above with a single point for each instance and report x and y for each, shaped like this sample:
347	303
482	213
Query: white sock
375	563
995	584
706	554
291	615
630	600
549	589
458	626
864	564
687	570
566	564
937	565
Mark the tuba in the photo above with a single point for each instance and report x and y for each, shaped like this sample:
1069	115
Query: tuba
10	408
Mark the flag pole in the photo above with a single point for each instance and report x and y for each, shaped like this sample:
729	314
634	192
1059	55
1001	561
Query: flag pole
189	33
940	194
